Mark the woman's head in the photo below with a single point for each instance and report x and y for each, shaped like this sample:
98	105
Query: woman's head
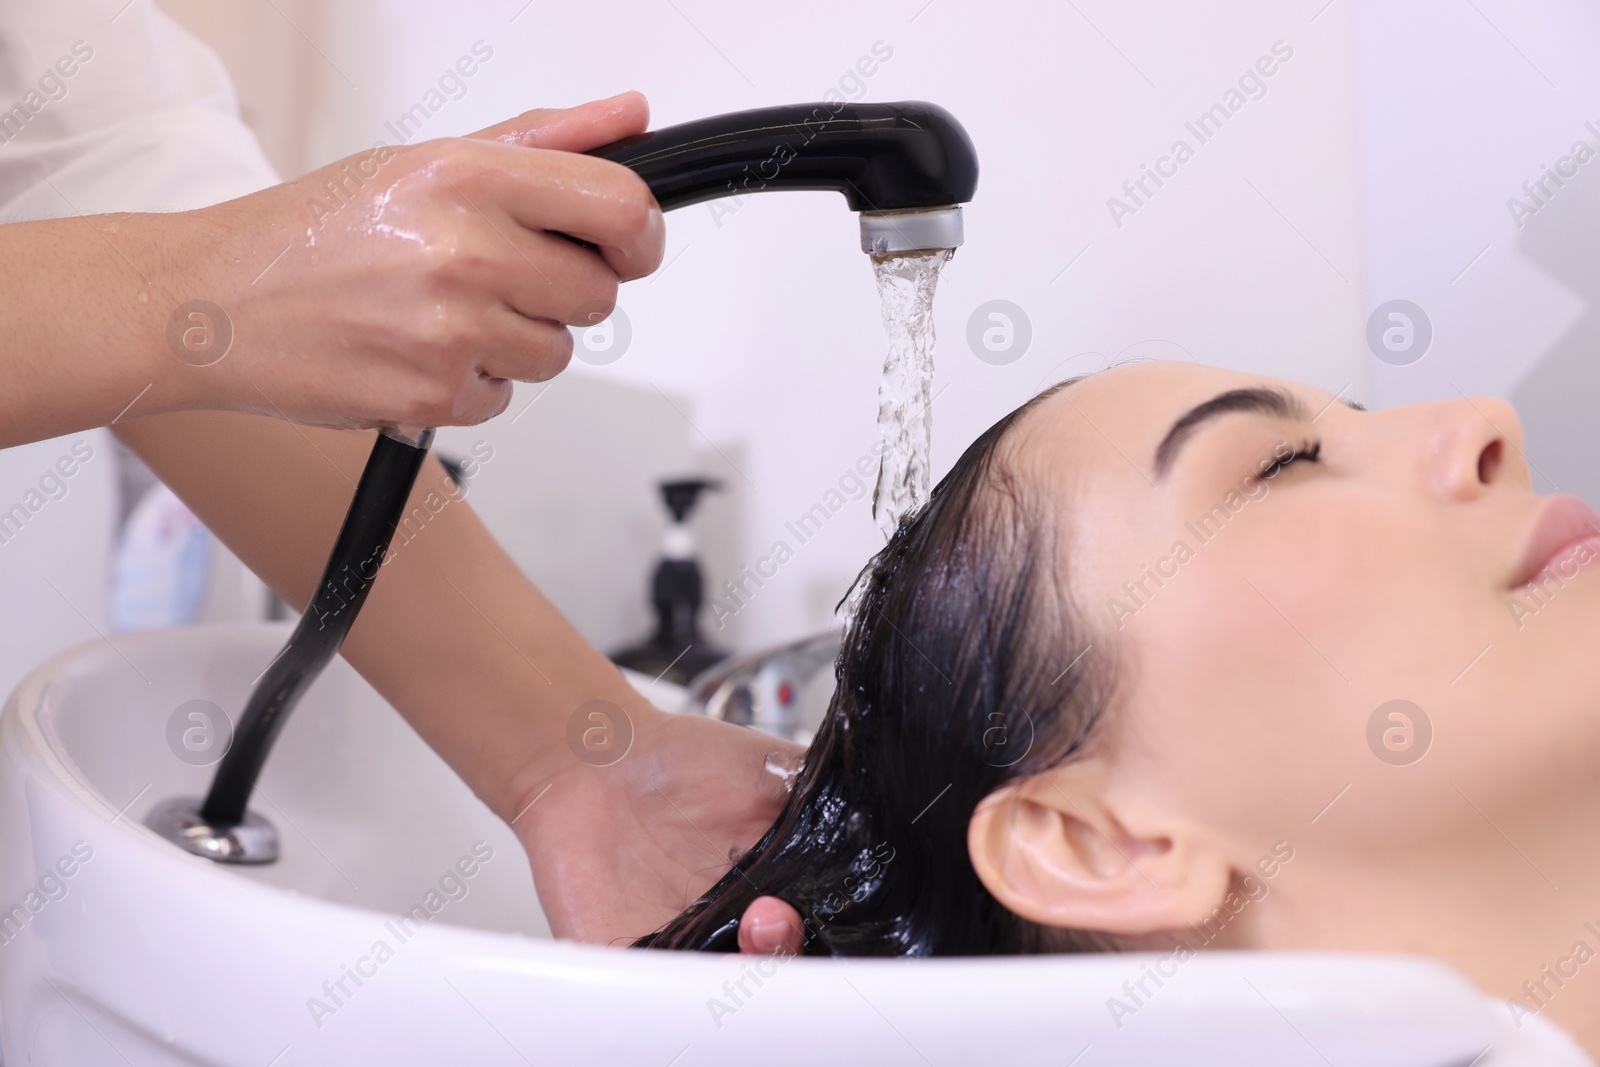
1139	652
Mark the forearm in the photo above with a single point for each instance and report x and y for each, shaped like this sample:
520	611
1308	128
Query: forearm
428	276
82	325
453	634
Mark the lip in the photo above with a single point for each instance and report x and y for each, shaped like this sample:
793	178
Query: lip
1563	524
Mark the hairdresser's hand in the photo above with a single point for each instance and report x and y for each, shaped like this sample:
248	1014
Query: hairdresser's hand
402	286
770	927
618	851
410	286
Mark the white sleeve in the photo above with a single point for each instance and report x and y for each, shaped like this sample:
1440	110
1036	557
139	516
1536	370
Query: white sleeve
130	114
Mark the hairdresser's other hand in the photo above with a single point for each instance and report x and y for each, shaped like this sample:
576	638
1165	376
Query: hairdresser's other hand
619	850
409	286
770	927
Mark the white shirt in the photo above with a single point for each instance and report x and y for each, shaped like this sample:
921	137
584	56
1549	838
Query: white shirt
146	120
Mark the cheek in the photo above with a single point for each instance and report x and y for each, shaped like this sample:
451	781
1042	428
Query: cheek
1259	666
1254	679
1245	725
1369	589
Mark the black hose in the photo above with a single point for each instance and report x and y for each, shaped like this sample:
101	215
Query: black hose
375	511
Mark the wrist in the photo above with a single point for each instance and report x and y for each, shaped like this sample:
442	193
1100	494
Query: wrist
602	743
154	247
183	319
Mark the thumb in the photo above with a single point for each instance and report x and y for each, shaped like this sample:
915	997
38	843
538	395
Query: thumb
574	129
770	927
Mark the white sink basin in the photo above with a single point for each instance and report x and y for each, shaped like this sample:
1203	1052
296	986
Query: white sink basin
130	951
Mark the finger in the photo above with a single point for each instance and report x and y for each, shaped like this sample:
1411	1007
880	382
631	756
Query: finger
477	401
770	927
574	129
594	200
524	349
549	277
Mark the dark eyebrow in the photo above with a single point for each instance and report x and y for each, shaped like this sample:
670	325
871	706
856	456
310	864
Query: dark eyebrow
1259	401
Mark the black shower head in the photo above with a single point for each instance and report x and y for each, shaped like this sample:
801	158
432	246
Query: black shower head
905	167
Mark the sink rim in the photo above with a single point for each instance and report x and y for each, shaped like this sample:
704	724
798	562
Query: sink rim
1041	992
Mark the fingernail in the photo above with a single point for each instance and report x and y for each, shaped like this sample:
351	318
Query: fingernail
770	935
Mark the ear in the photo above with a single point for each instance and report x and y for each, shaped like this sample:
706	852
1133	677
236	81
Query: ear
1054	851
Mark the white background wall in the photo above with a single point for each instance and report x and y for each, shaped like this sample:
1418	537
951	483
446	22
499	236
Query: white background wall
1461	104
1376	165
768	322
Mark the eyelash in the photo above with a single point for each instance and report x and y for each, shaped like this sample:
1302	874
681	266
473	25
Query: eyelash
1311	453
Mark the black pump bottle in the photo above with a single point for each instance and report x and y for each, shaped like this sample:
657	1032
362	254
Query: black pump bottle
677	651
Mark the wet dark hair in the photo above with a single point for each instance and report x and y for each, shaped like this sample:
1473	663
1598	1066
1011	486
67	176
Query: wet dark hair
956	676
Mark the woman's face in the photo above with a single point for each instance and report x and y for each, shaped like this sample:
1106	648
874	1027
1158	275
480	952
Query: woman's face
1262	626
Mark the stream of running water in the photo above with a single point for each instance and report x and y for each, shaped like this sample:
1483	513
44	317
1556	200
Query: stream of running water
905	426
905	393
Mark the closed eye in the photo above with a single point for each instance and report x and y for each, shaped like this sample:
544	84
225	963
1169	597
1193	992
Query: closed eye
1311	453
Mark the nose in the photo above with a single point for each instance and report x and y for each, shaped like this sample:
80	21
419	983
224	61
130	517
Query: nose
1475	443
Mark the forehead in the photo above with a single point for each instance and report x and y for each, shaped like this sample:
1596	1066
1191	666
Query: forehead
1106	427
1089	452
